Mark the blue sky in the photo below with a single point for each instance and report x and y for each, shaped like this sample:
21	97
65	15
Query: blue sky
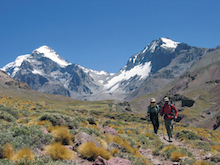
103	34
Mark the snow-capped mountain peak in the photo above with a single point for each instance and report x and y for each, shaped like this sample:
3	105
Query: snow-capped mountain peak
16	64
162	42
51	54
168	43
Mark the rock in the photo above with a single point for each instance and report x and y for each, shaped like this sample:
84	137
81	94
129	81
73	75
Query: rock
207	156
180	117
119	161
204	139
100	161
175	163
157	162
69	147
109	130
146	153
24	85
202	115
83	137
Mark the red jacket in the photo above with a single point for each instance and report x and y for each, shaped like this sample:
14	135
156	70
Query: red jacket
167	111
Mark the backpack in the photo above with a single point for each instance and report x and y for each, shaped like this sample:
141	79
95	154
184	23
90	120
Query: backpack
172	115
155	113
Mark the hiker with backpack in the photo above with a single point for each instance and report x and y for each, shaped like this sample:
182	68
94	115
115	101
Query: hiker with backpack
170	113
153	111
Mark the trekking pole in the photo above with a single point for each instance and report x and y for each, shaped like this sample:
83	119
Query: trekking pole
162	126
174	128
147	124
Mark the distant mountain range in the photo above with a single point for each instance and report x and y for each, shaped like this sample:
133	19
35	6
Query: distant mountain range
155	66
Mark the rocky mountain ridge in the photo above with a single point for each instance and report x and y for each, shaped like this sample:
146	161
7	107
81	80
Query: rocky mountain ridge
45	71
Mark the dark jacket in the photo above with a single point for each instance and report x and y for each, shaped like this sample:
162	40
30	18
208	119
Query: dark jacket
153	111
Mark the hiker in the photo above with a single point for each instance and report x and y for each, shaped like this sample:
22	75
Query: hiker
153	111
170	113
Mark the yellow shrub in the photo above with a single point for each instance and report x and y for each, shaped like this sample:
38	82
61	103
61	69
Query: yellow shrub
137	153
57	151
120	131
115	151
90	151
44	122
109	138
102	142
120	142
196	163
128	147
215	148
148	134
169	147
201	163
8	151
176	155
21	121
25	152
129	132
61	134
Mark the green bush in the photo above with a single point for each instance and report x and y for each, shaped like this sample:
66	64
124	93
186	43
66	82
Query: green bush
188	135
91	120
13	112
199	144
57	119
25	112
156	150
24	136
90	131
112	122
97	113
143	140
216	158
6	116
123	116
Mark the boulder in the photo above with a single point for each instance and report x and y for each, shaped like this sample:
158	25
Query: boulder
109	130
119	161
100	161
180	117
83	137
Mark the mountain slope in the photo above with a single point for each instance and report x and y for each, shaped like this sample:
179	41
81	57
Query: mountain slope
169	67
195	93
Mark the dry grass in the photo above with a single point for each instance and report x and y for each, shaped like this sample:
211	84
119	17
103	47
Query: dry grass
90	151
23	153
8	151
56	151
201	163
61	134
121	142
215	149
103	143
115	151
176	155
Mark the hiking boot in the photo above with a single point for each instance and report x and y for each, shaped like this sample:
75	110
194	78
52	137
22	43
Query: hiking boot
170	140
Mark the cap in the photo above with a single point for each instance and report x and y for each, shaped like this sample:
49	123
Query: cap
152	100
166	99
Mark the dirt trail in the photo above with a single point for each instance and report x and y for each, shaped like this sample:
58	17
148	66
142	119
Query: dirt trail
158	160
